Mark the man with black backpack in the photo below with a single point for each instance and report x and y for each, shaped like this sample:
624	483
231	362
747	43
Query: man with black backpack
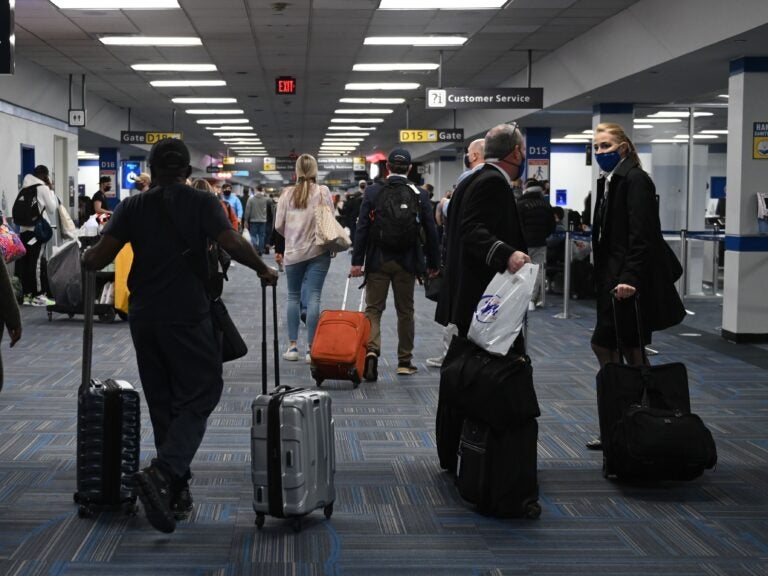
33	211
388	241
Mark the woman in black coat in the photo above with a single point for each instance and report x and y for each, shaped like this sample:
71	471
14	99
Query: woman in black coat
630	254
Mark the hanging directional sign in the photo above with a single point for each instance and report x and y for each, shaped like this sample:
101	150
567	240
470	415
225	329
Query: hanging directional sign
432	135
77	118
528	98
133	137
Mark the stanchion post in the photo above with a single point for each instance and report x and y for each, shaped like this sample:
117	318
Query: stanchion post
543	288
565	314
684	262
716	262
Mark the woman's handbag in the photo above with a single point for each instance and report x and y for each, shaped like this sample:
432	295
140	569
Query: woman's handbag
11	245
329	234
43	230
232	344
432	287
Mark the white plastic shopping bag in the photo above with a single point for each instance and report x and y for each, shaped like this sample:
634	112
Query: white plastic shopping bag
499	314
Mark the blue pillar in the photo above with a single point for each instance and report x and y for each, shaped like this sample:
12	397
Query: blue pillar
108	162
538	152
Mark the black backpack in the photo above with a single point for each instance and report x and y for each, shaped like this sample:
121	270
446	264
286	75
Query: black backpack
395	221
26	210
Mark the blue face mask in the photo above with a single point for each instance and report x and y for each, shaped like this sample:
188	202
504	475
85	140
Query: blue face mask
466	160
608	160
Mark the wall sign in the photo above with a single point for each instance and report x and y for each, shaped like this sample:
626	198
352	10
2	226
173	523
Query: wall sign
538	151
432	135
7	37
133	137
760	141
527	98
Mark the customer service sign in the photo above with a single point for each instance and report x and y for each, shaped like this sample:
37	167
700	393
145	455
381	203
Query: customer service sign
528	98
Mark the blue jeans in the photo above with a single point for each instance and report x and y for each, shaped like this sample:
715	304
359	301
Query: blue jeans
311	273
258	232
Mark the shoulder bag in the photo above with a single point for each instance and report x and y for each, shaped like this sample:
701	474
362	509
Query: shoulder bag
11	246
329	234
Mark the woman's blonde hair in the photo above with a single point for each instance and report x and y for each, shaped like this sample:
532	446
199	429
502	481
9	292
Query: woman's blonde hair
306	175
617	132
201	184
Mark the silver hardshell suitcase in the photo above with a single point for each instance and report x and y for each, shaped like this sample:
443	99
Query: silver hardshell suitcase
292	446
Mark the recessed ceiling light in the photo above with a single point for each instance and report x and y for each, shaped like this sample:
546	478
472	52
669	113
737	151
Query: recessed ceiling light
575	136
348	133
714	131
441	4
676	114
415	40
151	41
370	111
667	141
363	128
404	67
203	100
371	100
726	96
214	111
332	139
696	136
382	86
582	140
588	132
234	133
82	155
650	120
229	127
223	121
642	126
351	120
174	67
176	83
116	4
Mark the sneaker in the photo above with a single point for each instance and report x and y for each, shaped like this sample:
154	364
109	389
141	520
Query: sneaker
28	300
531	306
42	300
292	354
371	369
308	358
406	369
154	491
181	502
436	362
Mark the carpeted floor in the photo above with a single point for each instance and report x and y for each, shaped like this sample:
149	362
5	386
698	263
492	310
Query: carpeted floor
396	512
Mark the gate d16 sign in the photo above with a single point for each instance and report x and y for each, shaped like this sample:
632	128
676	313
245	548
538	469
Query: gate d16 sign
528	98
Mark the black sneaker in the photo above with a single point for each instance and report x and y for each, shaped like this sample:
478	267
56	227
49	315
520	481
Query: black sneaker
181	502
371	369
154	490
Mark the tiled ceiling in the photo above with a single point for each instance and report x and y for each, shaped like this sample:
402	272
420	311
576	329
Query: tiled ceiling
318	41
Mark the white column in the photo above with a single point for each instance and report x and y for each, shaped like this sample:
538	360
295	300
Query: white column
745	306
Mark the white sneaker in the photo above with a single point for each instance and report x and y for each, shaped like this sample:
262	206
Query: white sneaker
42	300
308	358
436	362
531	306
292	354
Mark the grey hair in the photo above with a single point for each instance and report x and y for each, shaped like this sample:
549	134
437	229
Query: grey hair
501	140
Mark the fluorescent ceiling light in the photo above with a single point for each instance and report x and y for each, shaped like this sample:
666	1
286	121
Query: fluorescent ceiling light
151	41
714	131
675	114
588	132
174	67
575	136
229	127
696	136
667	141
415	40
726	96
176	83
394	67
650	120
334	134
441	4
583	140
203	100
352	120
360	111
347	140
382	86
215	111
372	100
223	121
369	128
642	126
81	155
116	4
234	134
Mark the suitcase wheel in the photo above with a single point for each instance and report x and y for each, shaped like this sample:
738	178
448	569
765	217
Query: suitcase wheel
85	511
531	510
328	511
296	525
259	521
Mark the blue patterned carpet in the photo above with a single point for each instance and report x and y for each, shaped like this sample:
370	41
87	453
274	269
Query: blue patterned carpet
396	513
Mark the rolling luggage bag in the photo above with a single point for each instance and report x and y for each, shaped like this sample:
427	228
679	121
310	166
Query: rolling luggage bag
292	445
108	431
340	344
646	424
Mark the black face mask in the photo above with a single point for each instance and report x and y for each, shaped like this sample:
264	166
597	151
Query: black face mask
107	188
467	163
227	192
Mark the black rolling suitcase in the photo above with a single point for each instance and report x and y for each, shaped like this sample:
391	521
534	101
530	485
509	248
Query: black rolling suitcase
108	431
646	424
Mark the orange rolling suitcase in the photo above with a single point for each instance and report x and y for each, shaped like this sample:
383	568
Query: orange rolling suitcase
340	344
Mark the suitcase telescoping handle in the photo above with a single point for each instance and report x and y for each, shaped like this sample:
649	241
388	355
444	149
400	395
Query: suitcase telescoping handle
346	291
89	289
619	347
264	338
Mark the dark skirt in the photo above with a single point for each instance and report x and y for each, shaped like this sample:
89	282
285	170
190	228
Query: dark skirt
605	331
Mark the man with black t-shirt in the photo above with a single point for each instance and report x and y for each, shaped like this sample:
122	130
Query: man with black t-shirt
100	197
177	350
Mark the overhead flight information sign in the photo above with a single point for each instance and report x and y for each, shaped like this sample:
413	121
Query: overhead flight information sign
432	135
528	98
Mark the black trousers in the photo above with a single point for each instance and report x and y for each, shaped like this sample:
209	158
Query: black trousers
181	375
26	266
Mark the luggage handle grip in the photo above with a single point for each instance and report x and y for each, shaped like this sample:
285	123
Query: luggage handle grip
89	288
346	291
619	347
264	338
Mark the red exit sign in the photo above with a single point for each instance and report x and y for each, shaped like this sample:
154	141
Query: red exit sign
285	85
